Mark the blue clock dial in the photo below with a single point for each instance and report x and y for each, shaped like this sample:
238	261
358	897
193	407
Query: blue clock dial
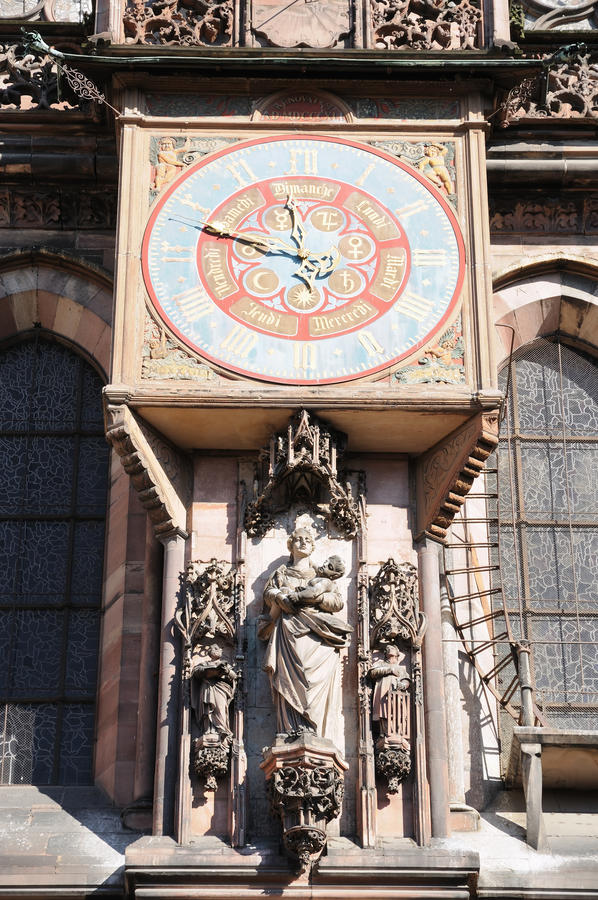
303	259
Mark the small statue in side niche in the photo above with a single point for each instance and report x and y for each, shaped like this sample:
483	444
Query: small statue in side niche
390	707
212	689
213	682
391	715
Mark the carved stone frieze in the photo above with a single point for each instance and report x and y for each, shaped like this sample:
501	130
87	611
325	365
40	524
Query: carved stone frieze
446	473
425	25
396	626
304	23
199	23
442	362
302	465
567	89
29	82
207	620
159	473
305	781
57	208
541	214
163	358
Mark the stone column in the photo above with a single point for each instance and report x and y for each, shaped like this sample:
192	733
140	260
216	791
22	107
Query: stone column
434	699
452	692
168	687
148	687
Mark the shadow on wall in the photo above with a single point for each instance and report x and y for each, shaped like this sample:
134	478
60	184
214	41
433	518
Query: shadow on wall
482	748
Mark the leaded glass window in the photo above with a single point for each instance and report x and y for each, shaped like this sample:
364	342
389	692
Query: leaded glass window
548	483
54	464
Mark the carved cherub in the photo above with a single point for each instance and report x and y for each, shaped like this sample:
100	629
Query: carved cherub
433	166
168	161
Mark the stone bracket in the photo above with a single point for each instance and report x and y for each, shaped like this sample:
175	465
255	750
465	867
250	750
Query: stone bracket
160	474
446	473
305	779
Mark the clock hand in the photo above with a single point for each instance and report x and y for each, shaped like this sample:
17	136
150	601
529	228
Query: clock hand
298	229
267	241
318	264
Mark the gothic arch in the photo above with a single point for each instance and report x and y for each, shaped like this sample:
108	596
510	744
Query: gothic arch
555	295
63	296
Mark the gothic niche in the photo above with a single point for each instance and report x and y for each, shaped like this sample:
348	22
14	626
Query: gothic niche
397	629
207	620
301	466
303	768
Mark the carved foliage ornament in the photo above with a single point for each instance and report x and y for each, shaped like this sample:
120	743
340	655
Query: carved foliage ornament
163	358
566	89
425	25
180	22
443	362
301	465
310	796
30	82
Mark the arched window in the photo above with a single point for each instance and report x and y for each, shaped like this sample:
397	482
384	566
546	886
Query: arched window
54	464
548	487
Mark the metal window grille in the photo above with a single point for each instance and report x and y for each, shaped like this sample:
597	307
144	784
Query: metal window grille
54	464
547	463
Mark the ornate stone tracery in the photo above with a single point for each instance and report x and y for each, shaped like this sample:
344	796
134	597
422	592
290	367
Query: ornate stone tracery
31	82
195	23
302	465
567	88
423	25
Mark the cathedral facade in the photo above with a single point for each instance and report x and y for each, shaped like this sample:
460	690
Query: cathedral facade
298	339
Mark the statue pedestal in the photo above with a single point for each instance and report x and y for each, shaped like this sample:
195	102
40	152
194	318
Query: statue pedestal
305	779
393	760
210	758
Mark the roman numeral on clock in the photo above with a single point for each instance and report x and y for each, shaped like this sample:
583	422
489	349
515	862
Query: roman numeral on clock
304	356
239	341
369	343
193	303
303	162
411	209
430	257
244	177
414	306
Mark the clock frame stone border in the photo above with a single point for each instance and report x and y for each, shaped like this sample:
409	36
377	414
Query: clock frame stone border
231	391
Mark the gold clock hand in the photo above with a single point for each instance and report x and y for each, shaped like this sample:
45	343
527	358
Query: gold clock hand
267	241
298	229
318	264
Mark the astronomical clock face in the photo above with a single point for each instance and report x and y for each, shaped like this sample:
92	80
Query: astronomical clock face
303	260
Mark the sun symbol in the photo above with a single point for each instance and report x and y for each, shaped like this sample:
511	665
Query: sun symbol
301	298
